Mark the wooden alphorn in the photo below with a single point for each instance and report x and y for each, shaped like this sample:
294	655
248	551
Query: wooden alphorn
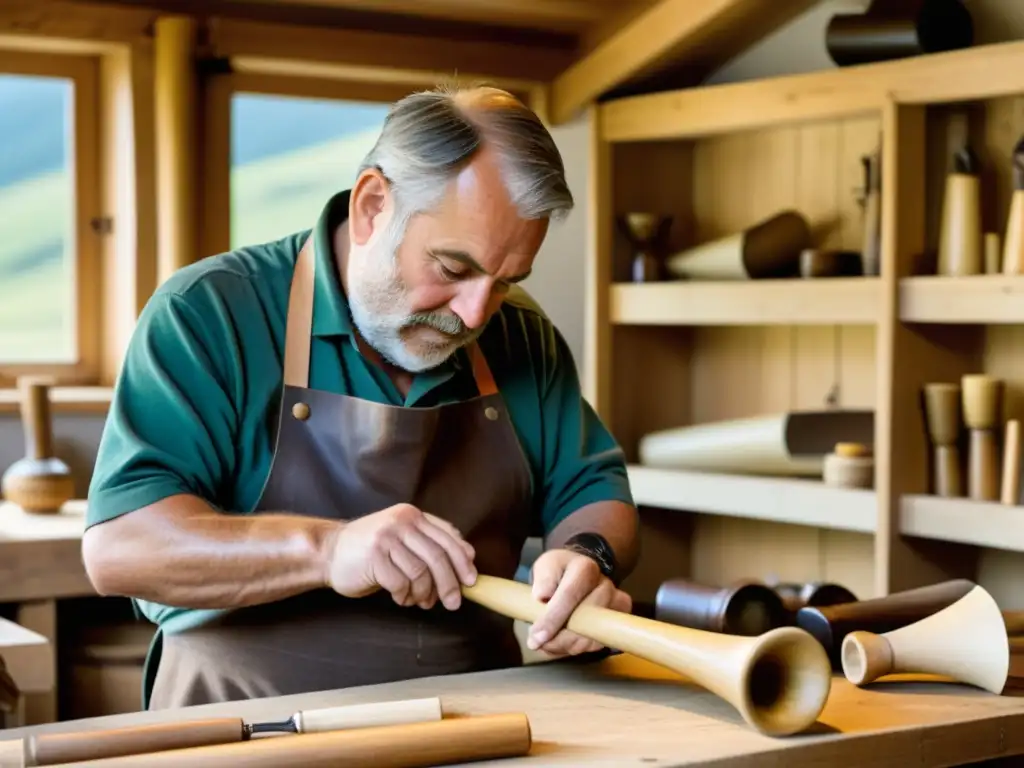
60	748
966	641
411	745
778	682
830	624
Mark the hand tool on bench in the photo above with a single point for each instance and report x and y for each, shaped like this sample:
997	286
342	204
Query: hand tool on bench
59	748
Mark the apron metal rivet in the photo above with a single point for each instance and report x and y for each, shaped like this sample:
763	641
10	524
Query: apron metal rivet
300	411
491	413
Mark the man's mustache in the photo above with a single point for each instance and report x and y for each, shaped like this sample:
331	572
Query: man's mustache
451	325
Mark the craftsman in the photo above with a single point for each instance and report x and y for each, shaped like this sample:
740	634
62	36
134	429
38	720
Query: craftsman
315	442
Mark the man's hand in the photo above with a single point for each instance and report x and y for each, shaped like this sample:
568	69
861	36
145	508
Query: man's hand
565	580
415	556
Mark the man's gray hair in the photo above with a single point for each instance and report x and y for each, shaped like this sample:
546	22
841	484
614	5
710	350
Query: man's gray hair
430	136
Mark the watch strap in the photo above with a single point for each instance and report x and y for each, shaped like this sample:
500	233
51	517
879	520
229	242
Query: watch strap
597	548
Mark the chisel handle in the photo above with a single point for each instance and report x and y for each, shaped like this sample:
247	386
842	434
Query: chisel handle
367	715
56	748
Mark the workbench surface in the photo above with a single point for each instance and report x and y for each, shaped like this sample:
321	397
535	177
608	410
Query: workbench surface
622	712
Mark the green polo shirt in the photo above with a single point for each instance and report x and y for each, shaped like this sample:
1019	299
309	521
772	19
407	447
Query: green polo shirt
194	408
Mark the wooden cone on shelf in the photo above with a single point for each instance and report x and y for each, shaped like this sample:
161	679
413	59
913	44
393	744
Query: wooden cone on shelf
966	641
1013	245
770	248
960	235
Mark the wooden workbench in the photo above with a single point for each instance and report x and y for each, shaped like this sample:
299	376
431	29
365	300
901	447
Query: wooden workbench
622	712
41	555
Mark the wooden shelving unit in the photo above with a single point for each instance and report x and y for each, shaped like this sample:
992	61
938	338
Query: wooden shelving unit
853	301
963	521
988	299
677	353
797	502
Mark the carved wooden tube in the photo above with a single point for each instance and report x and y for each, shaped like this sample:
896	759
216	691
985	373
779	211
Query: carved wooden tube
745	608
942	411
831	624
966	641
779	682
409	745
60	748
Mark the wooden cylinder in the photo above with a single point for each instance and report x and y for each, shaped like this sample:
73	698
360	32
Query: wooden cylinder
176	143
36	417
412	745
948	479
993	253
960	237
983	465
59	748
1013	244
1010	491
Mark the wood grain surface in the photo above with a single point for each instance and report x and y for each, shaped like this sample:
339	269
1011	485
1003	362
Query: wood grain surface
625	713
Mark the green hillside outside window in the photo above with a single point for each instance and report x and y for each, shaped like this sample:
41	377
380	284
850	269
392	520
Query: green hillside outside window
37	220
289	156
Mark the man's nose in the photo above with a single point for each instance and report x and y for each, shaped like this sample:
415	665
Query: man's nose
474	303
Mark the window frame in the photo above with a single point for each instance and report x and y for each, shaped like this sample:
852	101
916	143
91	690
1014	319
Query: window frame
84	73
215	232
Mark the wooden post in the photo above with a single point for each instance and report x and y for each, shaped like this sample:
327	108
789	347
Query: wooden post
176	144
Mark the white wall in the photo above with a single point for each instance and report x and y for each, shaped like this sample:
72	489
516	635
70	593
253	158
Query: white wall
558	272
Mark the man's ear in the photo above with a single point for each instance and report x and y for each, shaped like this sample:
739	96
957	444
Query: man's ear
369	206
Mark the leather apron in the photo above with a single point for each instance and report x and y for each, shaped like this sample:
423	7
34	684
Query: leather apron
342	457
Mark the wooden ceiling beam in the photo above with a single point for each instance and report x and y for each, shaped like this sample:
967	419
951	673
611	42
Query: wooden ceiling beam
440	58
432	56
667	34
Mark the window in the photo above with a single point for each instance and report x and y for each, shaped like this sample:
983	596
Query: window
289	155
48	194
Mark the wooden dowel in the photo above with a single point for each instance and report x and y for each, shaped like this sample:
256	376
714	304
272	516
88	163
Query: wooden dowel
56	748
415	745
1010	491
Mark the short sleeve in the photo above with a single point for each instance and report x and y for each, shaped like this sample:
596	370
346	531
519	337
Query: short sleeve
172	423
582	462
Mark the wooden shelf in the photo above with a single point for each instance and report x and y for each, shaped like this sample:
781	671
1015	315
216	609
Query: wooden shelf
981	523
988	299
982	71
795	501
833	301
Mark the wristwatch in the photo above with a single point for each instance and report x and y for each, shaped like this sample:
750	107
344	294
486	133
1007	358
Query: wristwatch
596	547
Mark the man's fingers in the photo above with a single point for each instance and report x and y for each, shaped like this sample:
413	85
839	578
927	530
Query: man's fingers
391	578
452	531
439	567
579	580
416	571
459	553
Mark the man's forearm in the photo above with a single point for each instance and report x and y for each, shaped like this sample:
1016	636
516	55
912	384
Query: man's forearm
182	552
618	523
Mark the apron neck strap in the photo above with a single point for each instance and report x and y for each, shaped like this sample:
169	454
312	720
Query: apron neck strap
299	328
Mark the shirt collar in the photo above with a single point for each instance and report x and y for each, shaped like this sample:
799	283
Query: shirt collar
331	315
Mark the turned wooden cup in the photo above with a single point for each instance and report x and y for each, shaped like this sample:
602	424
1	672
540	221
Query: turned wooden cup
982	400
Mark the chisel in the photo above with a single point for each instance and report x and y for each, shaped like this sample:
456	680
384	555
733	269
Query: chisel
57	748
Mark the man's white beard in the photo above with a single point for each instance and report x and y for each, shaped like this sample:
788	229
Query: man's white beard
378	301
